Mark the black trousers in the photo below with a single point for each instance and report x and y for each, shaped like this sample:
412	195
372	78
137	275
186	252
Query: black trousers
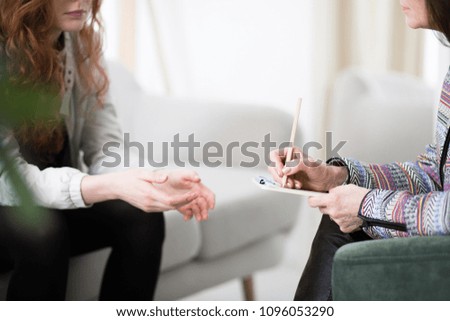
38	250
315	282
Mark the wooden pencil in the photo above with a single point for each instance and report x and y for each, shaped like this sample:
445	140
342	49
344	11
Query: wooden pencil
289	153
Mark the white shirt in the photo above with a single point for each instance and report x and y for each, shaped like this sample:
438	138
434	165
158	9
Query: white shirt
89	127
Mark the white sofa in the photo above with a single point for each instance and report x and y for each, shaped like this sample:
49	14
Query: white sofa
247	229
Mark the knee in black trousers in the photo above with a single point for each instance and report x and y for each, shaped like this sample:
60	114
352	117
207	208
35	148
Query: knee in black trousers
136	238
38	248
315	282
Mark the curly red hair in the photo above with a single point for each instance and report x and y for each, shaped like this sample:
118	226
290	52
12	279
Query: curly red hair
26	29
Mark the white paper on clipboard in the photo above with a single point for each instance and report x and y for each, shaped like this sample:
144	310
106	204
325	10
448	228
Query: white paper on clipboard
269	185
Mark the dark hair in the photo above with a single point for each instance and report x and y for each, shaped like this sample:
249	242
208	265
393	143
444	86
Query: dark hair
439	15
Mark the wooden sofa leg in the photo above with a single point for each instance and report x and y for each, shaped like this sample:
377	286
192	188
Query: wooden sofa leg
247	284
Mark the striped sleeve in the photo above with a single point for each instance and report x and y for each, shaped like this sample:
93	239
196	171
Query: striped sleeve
408	193
417	177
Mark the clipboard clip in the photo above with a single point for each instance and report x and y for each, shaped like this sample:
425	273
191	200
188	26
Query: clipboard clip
265	181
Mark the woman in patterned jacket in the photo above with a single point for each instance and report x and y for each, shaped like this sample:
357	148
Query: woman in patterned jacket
55	46
377	201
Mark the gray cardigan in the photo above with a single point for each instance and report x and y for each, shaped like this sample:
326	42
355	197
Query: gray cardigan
89	128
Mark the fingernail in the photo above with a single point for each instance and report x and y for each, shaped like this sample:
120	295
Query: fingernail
286	170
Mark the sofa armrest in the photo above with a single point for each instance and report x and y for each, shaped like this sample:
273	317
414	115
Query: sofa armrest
416	268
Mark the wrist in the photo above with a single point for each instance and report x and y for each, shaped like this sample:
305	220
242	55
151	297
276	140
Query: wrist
339	175
99	188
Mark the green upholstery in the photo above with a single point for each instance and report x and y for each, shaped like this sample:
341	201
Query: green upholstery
416	268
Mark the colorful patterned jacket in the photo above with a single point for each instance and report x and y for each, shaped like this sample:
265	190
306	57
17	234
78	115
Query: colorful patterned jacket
415	194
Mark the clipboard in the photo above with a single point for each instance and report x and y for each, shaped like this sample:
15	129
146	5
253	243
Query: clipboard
270	185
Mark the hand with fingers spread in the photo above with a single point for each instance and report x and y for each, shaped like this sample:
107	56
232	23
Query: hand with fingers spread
342	205
152	191
198	208
304	172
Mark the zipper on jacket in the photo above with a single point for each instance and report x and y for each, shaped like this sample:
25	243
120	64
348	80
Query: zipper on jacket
444	158
367	221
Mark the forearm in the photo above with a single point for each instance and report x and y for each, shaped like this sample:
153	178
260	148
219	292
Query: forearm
98	188
424	214
407	176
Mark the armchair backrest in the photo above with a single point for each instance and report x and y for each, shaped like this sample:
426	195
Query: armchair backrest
383	117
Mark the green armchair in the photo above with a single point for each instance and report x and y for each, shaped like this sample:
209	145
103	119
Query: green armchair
416	268
406	269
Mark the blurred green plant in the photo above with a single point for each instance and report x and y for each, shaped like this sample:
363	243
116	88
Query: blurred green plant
17	104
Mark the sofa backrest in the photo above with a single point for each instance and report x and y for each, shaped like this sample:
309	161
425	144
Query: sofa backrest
236	128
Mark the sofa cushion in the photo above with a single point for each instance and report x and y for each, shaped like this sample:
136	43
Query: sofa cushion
244	213
182	241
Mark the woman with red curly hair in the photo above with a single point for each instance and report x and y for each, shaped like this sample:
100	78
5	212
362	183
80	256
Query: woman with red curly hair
56	45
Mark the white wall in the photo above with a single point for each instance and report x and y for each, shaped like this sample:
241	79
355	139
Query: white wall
436	61
236	50
249	51
110	15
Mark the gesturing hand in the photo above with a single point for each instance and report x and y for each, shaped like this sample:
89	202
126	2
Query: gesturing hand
156	191
139	187
342	205
180	181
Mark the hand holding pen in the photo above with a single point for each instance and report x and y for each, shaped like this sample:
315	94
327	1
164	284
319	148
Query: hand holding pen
305	173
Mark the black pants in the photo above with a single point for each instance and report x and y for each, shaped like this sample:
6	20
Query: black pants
315	283
38	250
